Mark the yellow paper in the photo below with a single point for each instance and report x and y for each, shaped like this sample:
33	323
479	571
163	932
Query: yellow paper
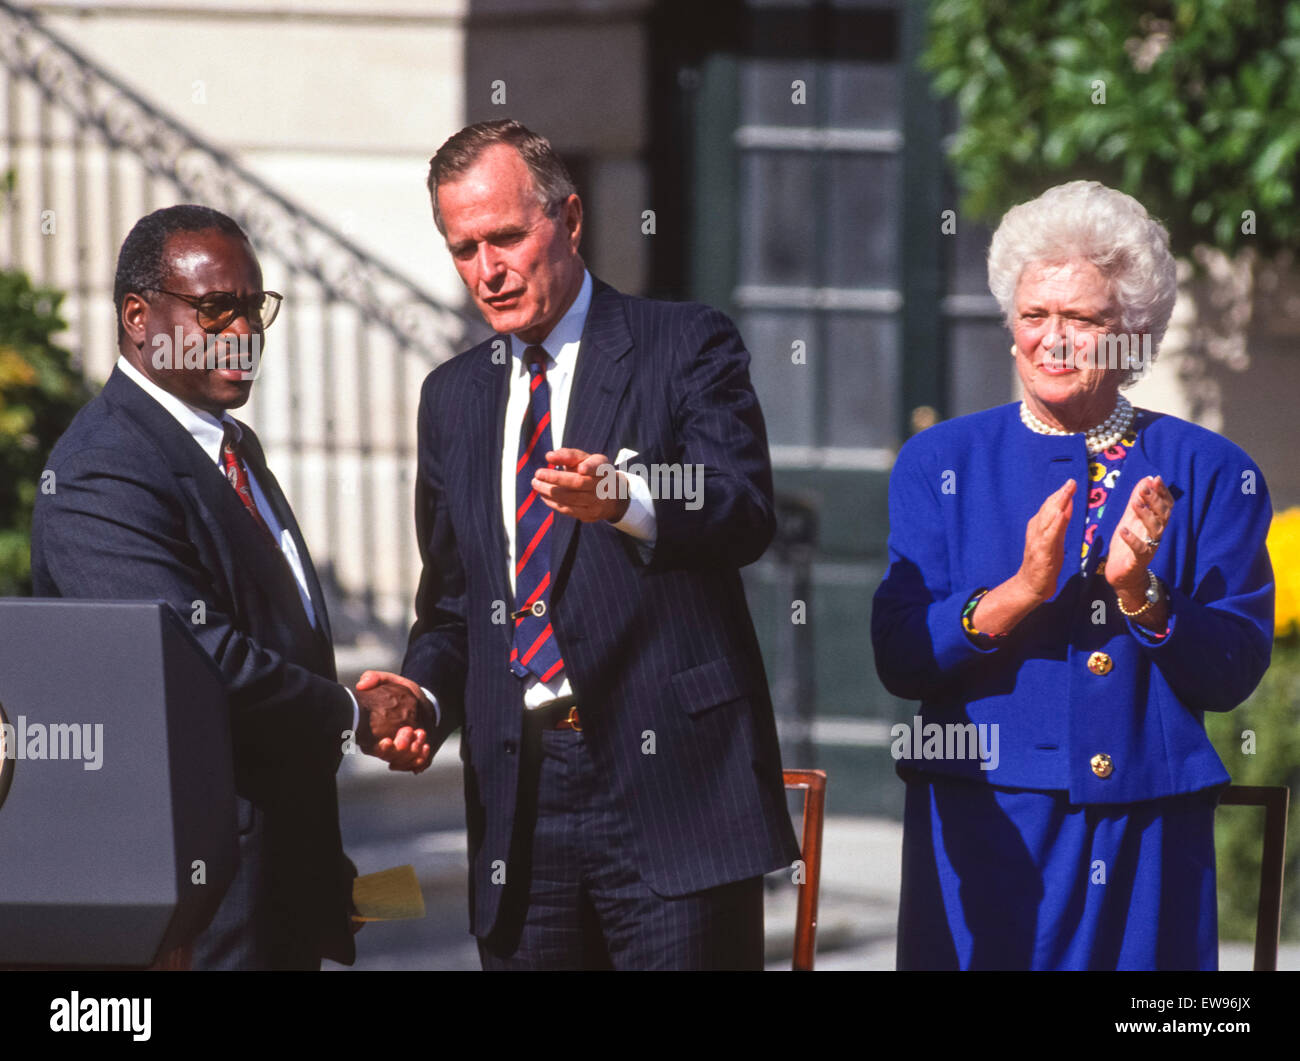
389	895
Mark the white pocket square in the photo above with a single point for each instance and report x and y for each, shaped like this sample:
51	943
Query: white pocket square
624	455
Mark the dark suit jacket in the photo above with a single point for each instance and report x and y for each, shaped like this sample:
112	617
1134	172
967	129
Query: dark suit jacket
662	655
140	512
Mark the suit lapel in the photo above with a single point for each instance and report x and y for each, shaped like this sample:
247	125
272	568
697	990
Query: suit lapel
256	461
486	424
189	463
187	460
599	383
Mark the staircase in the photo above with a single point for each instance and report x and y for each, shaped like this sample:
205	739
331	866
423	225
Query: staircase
336	400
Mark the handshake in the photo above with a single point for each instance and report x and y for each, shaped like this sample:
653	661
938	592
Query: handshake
395	720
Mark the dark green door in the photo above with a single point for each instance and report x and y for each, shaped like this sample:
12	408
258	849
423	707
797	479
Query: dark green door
813	194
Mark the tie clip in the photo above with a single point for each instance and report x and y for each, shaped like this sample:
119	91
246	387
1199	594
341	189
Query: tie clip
537	608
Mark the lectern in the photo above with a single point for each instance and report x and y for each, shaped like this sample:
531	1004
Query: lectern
117	802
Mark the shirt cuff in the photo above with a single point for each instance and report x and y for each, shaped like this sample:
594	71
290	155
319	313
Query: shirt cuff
639	519
356	711
437	713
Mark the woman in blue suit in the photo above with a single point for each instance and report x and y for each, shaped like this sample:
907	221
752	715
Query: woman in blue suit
1073	582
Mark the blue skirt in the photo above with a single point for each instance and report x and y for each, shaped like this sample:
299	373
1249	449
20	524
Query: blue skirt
997	878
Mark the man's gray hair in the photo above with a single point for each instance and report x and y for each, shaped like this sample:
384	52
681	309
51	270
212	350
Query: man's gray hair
462	150
1086	220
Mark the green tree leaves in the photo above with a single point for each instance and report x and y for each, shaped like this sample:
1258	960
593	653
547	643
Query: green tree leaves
40	392
1200	119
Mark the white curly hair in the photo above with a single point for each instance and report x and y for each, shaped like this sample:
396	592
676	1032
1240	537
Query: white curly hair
1086	220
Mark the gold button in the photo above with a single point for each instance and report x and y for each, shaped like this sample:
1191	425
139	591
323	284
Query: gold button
1101	765
1100	663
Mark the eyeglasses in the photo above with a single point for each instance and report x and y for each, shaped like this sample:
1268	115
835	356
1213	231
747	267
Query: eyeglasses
217	309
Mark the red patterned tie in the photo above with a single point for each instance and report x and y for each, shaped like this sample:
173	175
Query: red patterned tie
238	477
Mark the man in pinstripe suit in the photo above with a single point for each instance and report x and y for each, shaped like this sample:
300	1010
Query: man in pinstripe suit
588	633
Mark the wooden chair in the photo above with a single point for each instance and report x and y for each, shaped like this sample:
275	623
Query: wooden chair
1268	923
813	785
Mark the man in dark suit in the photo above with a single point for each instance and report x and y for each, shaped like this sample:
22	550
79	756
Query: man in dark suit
159	494
587	629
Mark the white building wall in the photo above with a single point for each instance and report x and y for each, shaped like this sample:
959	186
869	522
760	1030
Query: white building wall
338	106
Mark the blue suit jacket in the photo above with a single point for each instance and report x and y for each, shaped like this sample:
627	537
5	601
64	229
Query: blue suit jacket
663	651
960	496
140	512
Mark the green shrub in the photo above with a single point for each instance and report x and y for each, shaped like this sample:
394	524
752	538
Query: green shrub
40	392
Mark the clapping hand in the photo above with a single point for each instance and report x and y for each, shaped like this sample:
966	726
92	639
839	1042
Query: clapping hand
1003	607
1137	536
1045	542
395	721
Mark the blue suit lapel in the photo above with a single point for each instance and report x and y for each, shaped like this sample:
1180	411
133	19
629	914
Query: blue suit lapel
485	424
599	383
187	461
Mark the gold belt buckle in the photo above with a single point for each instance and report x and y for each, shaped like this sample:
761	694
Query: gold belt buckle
572	718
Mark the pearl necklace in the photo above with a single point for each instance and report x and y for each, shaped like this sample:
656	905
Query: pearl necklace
1103	436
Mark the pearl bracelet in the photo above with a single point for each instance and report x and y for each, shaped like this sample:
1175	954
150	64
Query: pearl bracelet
1152	594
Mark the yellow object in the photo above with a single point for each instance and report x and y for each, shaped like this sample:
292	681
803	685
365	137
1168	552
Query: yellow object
389	895
1102	765
1284	552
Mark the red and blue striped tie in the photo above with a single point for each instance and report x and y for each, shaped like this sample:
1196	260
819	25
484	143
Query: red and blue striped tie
535	650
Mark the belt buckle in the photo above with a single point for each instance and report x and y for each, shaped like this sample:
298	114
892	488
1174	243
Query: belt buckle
572	720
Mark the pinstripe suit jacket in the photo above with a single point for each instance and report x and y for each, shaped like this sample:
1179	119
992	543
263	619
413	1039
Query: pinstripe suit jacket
661	654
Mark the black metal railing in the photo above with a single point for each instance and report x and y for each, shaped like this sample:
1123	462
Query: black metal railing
336	408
